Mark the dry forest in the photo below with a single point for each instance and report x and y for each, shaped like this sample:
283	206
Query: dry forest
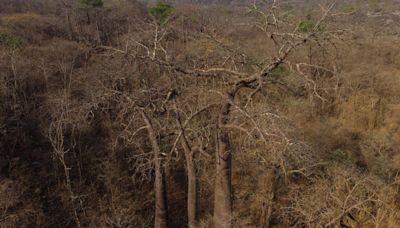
200	113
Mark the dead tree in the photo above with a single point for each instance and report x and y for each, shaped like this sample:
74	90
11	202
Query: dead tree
56	134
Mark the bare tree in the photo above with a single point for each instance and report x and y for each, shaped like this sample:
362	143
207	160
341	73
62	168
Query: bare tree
192	199
223	186
286	37
67	6
60	125
161	208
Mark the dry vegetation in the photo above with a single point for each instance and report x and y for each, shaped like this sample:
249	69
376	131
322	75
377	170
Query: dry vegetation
272	114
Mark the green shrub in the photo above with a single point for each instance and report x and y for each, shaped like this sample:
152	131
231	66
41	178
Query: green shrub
280	71
10	41
339	155
161	11
306	26
227	12
91	3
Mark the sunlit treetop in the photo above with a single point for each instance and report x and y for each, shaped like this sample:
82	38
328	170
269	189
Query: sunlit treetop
161	11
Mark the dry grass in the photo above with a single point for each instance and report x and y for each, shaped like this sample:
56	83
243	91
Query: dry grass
19	18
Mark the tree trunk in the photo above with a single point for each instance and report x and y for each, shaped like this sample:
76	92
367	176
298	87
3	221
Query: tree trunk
88	17
70	28
268	192
161	210
192	184
223	187
67	8
191	174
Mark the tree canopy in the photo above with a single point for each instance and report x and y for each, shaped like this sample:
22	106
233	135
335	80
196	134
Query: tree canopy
91	3
161	11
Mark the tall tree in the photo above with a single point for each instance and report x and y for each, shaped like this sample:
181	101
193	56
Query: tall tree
161	209
67	8
89	4
249	83
192	200
223	186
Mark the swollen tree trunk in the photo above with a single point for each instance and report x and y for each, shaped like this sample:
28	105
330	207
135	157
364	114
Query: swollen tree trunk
161	210
192	184
191	174
223	186
268	191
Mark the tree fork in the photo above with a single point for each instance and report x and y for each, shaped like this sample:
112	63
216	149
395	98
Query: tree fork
192	200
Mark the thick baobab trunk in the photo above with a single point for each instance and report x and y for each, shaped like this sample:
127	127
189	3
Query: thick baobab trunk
223	187
191	174
268	191
192	184
161	210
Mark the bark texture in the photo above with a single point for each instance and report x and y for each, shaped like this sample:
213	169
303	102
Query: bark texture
223	186
192	184
191	173
268	192
161	209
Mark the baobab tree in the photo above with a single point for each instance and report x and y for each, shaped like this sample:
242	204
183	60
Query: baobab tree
192	188
242	81
161	208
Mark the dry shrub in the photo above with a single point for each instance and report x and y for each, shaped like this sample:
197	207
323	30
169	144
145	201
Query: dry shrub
268	158
362	112
294	152
343	196
106	25
13	213
366	110
10	19
34	28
